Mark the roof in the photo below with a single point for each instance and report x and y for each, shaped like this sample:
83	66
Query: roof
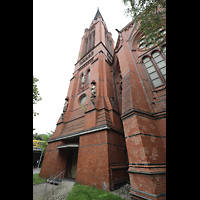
98	14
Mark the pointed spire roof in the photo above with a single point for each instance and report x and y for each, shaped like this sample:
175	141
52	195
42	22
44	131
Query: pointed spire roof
98	14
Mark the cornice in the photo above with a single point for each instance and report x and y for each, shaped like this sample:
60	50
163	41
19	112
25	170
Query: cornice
86	131
79	133
134	111
108	56
92	50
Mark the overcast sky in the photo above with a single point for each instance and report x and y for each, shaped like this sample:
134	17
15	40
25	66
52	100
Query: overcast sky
58	27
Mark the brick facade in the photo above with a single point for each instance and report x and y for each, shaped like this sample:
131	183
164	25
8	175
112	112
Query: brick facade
120	126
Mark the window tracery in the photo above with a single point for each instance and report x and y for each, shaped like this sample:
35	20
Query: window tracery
144	43
155	67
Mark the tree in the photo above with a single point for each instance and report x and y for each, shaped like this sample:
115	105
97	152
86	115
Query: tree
43	145
45	138
149	17
37	137
36	94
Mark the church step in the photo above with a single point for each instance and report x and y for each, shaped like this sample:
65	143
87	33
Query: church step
55	181
59	180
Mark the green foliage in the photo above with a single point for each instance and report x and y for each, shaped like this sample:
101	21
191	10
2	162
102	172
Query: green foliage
90	193
37	137
45	138
36	94
149	17
37	179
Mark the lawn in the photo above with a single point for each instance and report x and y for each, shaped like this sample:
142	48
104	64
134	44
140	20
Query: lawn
90	193
37	179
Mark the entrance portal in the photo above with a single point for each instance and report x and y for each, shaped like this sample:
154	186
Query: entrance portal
69	153
73	163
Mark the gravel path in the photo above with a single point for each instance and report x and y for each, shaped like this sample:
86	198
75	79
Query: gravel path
123	192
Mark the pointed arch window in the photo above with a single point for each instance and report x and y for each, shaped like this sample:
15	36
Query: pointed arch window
88	76
89	42
85	46
153	74
155	67
80	82
158	59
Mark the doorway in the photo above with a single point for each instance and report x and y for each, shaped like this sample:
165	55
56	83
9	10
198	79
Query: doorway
73	163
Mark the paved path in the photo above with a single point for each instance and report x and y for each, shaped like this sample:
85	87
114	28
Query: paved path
59	192
39	189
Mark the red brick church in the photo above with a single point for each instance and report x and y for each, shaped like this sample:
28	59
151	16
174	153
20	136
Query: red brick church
113	126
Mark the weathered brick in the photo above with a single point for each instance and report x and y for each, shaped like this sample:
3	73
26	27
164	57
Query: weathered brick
127	116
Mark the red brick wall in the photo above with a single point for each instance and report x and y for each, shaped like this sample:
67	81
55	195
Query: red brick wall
93	166
143	116
153	185
53	161
97	151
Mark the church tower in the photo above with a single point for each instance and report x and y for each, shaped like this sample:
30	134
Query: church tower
89	142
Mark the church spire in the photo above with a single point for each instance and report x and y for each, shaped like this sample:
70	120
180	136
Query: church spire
98	14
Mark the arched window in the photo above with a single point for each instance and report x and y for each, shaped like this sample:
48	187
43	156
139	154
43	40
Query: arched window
93	39
153	74
88	76
85	46
158	59
156	69
89	42
80	81
82	99
146	43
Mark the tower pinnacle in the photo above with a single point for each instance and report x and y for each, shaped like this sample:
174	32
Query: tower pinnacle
98	14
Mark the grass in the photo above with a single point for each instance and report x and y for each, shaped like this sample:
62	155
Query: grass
90	193
37	179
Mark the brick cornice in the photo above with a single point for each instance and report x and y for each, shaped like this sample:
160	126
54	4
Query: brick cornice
87	131
134	111
146	193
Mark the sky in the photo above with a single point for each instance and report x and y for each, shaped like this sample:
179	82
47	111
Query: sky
58	27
